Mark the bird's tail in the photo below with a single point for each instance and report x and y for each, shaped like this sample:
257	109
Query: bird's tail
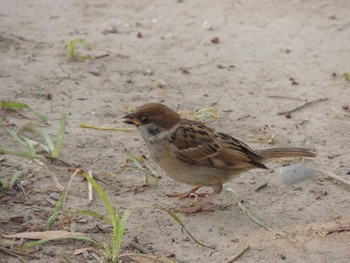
286	152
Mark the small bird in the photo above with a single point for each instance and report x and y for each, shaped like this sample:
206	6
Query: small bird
195	154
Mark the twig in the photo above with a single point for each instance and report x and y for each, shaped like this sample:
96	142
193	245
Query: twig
59	162
68	187
32	173
61	80
302	106
237	254
23	191
138	247
283	97
254	218
259	188
12	253
311	138
90	189
334	176
17	254
142	257
57	183
338	229
343	113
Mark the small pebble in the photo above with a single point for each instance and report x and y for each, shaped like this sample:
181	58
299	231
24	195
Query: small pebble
95	72
24	182
345	107
215	40
288	115
170	254
55	196
293	174
185	71
207	25
148	72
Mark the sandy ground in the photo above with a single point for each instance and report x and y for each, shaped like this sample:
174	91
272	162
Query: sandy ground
271	56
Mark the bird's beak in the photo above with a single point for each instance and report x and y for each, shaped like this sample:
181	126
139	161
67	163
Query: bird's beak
131	119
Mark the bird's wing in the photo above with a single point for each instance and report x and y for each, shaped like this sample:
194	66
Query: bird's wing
200	145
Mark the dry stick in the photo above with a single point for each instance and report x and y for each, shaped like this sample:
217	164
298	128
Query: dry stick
154	258
308	136
338	229
255	219
237	254
259	188
283	97
138	247
68	187
343	113
334	176
32	173
90	189
17	254
302	106
14	254
57	183
60	80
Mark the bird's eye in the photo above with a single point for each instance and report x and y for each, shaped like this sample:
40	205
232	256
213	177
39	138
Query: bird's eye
144	119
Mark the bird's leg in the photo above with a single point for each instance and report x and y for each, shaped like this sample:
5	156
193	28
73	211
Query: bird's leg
203	205
188	193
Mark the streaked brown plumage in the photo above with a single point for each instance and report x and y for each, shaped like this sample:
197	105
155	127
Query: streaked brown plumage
192	153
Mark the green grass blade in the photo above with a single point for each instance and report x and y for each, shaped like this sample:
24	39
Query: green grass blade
178	220
30	147
15	177
14	136
56	211
43	241
115	249
252	216
119	235
13	105
108	254
57	150
31	153
71	49
256	220
18	153
95	215
50	146
34	243
41	116
102	194
95	242
20	105
148	169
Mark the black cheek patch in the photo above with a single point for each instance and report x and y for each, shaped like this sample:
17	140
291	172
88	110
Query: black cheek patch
154	130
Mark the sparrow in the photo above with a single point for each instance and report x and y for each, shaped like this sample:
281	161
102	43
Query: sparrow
192	153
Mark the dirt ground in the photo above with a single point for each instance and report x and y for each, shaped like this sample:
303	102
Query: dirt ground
249	60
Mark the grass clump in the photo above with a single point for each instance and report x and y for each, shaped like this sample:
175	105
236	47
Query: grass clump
29	146
118	223
26	146
72	47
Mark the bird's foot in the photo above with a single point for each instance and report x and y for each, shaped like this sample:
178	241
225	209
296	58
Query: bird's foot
190	193
194	207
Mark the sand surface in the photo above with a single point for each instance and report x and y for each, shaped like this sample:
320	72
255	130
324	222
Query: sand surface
249	60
